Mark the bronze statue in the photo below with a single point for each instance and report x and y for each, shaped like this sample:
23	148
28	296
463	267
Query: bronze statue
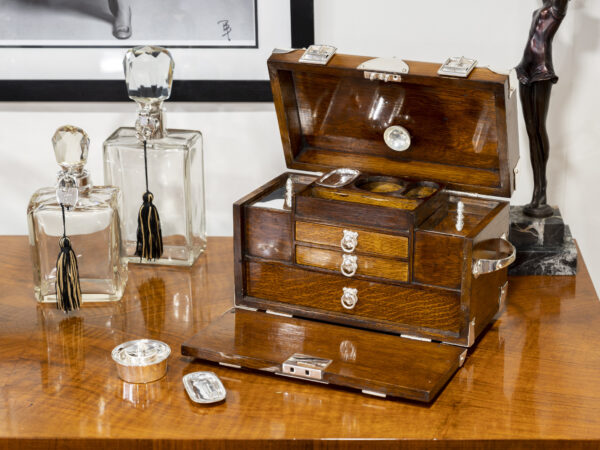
536	77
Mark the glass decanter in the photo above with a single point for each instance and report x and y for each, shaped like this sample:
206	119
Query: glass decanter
91	221
151	159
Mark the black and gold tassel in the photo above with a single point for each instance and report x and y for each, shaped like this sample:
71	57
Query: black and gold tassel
68	290
149	234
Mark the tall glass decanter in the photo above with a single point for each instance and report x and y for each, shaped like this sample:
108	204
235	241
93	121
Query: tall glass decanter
160	172
76	215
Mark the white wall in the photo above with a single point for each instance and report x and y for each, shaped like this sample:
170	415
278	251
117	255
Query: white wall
242	146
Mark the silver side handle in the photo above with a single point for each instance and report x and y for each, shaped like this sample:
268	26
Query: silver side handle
492	255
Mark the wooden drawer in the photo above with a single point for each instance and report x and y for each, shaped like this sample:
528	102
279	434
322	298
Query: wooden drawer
406	305
367	241
365	265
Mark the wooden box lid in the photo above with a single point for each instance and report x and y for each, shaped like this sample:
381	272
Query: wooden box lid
464	131
380	363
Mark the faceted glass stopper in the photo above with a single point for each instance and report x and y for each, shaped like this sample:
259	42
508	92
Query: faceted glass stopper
148	74
71	145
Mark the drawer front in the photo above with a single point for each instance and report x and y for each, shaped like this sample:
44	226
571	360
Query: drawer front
366	241
350	265
333	295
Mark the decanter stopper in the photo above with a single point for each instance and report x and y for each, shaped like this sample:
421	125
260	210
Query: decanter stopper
149	77
71	145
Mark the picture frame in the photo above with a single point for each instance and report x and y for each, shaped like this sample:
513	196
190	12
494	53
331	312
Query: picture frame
226	74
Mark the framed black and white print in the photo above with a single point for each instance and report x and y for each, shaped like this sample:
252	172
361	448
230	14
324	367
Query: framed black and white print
72	50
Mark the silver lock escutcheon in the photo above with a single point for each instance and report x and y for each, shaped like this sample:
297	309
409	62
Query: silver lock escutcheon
349	241
349	298
349	265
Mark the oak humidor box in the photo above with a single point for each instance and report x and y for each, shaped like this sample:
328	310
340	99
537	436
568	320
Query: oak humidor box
381	270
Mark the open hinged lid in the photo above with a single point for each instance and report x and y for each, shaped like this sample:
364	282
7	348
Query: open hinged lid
463	131
377	363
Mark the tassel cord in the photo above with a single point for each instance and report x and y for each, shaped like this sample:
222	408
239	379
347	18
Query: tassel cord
146	164
64	220
68	290
149	236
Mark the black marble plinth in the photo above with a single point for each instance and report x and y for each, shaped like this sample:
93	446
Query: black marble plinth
544	246
528	231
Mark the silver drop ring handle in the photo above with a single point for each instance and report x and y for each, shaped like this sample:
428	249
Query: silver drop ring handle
505	254
349	265
349	298
349	241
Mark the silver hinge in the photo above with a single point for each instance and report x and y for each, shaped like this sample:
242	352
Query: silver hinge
471	335
275	313
374	393
318	54
305	366
233	366
457	66
384	69
247	308
415	338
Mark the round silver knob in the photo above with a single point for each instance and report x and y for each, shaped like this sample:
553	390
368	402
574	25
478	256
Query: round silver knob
349	241
397	138
349	265
349	298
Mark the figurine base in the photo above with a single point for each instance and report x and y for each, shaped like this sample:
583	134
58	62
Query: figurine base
538	212
544	246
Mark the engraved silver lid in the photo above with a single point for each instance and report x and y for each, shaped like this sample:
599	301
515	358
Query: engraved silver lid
141	360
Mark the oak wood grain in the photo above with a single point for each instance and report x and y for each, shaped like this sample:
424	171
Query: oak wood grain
407	309
366	265
268	233
359	359
532	382
438	259
367	242
327	120
313	209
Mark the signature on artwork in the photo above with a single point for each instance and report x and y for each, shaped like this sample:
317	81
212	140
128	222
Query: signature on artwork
226	28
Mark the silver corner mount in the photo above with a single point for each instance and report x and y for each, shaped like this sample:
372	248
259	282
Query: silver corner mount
502	297
384	69
282	51
458	66
462	358
471	335
318	54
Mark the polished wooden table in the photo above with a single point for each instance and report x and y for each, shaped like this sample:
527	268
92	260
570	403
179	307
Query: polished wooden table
533	381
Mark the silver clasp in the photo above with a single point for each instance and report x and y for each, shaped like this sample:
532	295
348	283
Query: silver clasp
305	366
349	265
384	69
349	241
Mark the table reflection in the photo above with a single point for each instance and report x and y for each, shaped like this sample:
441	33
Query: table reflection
66	340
